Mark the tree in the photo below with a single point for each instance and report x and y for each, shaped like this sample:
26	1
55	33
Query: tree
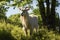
2	12
3	9
50	12
42	11
53	17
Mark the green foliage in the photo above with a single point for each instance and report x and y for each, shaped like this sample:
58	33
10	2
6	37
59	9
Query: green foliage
40	20
19	3
36	11
11	32
6	35
43	34
11	29
18	33
2	12
15	19
5	30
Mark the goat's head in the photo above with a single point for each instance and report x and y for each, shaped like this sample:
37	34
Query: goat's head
24	11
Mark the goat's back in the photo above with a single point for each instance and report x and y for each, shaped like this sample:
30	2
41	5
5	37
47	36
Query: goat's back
33	20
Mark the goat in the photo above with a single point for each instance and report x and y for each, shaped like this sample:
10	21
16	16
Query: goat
28	21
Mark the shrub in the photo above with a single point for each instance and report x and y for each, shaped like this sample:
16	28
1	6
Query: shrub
4	35
18	33
11	32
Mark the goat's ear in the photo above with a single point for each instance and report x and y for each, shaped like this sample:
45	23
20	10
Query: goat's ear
27	8
20	8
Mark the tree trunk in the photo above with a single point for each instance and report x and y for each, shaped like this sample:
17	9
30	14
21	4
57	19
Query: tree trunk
42	11
49	17
48	13
52	17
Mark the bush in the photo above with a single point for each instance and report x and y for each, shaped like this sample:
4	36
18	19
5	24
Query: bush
5	32
4	35
11	32
18	33
43	34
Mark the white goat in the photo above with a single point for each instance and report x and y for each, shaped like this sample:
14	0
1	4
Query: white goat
28	21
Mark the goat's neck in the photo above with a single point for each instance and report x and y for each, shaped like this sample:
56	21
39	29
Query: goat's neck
27	21
26	17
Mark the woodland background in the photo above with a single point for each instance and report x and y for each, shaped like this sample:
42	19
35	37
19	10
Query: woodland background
48	18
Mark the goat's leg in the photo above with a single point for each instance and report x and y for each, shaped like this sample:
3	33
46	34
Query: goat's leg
31	31
26	31
37	29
